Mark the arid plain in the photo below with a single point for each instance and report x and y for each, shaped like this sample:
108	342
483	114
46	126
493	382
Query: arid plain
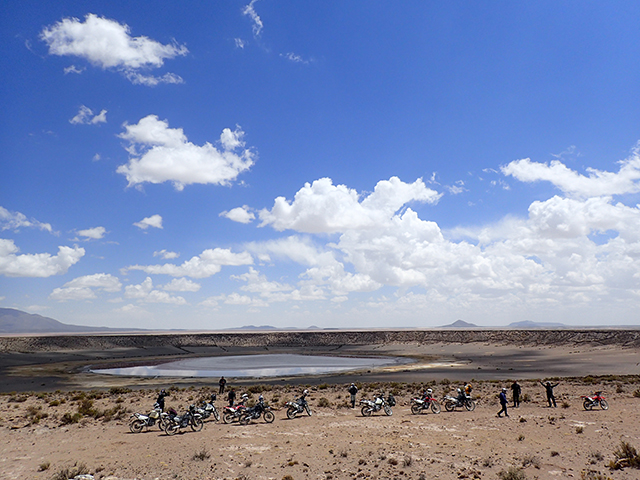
55	415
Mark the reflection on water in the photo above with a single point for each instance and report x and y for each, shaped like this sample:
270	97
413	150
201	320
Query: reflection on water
275	365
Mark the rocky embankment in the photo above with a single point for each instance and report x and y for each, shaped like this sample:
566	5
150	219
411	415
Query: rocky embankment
34	344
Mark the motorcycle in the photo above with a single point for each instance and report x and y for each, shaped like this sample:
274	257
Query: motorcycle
426	403
191	418
139	421
296	407
462	400
594	400
369	407
255	412
207	410
233	414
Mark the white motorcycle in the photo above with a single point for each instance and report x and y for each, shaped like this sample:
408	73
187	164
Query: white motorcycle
369	407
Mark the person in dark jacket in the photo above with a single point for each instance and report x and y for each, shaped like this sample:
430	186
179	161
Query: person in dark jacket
352	391
503	403
516	390
550	396
222	383
231	397
160	400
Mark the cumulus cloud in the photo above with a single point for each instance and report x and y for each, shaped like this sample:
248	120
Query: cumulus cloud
162	154
165	254
239	214
570	182
16	221
85	116
73	69
181	285
145	292
249	11
36	265
322	207
154	221
108	44
208	263
83	288
95	233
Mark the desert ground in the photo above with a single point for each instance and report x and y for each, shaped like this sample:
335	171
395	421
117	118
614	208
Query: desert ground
77	422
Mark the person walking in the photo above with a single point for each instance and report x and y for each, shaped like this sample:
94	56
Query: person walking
222	383
516	390
353	390
231	397
503	403
550	396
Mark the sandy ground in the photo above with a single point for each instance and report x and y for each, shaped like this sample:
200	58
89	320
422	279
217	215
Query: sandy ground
336	442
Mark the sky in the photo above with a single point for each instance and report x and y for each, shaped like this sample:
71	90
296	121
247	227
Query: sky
360	164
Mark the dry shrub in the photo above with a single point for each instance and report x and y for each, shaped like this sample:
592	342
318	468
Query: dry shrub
513	473
71	472
626	456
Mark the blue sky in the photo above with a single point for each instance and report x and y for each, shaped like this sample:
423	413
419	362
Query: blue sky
338	164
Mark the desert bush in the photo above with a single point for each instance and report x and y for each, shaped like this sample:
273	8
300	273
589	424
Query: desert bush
71	472
626	456
35	414
69	418
408	460
324	403
565	404
520	437
54	403
530	460
44	466
553	453
201	455
636	393
513	473
119	390
392	461
593	475
579	429
17	399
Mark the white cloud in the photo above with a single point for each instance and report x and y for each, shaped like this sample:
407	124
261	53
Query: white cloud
294	57
81	288
182	285
138	78
239	214
73	69
16	220
162	154
208	263
72	293
95	233
165	254
36	265
239	43
597	183
85	116
154	221
107	44
255	18
324	208
144	292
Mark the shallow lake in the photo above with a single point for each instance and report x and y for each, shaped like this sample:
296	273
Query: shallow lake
273	365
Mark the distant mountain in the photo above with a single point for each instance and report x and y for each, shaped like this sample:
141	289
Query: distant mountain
255	327
16	322
529	325
461	324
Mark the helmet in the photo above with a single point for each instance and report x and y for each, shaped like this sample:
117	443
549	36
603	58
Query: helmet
459	391
260	398
306	392
162	391
244	395
504	389
429	391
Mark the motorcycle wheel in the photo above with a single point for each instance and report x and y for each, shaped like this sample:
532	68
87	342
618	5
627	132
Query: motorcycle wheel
470	405
136	426
216	415
197	424
416	409
449	406
291	413
269	417
244	420
435	406
603	404
228	418
366	411
172	429
387	410
587	404
163	423
308	410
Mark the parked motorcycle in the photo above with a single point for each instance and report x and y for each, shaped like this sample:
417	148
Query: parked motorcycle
369	407
260	409
191	418
139	421
462	400
426	403
594	400
296	407
233	414
207	410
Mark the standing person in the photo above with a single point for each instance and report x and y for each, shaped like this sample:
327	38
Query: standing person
550	396
353	390
160	400
231	397
467	389
515	388
222	383
503	403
